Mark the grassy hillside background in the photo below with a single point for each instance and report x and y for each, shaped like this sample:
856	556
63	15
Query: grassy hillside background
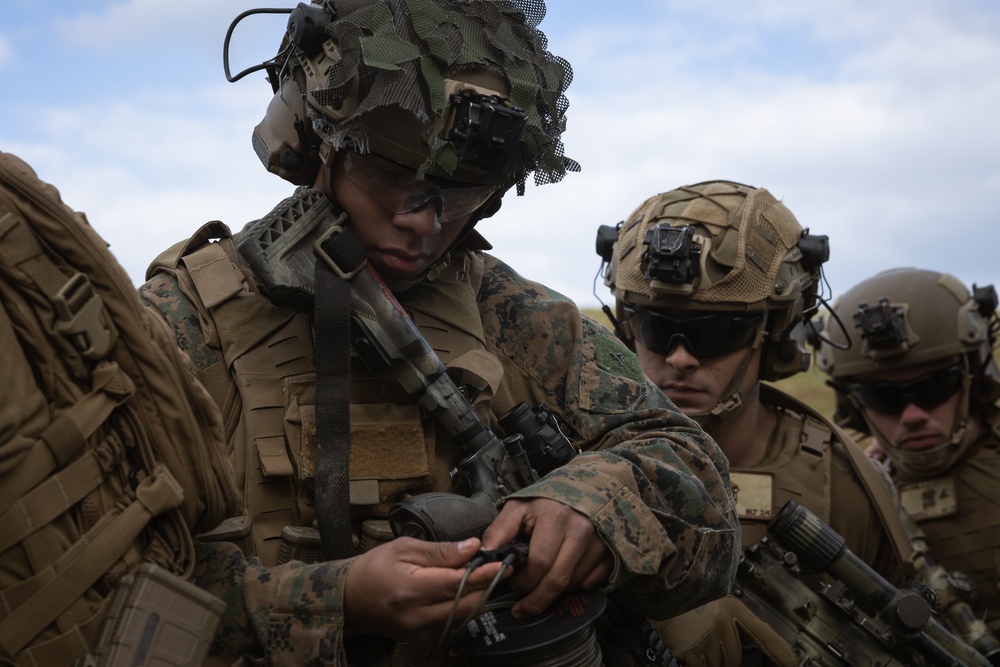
808	387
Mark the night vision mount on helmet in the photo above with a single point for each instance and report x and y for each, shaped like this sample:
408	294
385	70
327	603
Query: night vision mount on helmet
433	85
712	250
719	246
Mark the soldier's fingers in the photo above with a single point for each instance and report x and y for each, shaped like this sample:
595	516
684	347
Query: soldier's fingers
537	600
597	574
555	579
506	526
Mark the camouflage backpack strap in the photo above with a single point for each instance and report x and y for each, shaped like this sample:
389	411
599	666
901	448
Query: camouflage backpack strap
878	485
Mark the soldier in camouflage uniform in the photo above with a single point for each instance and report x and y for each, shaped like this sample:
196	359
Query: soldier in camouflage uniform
714	283
911	357
364	111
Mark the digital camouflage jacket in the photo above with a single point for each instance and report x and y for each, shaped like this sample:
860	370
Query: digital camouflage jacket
654	484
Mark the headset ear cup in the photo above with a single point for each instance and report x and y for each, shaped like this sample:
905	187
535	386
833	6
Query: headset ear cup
492	205
283	140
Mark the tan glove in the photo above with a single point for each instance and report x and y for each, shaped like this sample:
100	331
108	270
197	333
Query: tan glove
714	635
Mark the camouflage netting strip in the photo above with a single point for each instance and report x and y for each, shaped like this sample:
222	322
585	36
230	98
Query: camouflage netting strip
388	61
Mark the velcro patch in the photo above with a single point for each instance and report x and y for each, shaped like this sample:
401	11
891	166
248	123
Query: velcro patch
753	493
616	359
929	499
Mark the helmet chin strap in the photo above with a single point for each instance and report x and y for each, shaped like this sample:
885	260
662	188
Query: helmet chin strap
733	397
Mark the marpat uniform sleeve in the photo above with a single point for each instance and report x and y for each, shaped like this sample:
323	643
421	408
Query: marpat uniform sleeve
653	482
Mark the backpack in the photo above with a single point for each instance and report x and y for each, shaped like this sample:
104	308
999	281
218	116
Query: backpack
111	455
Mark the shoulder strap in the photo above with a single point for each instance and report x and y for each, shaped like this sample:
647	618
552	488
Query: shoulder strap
879	488
241	316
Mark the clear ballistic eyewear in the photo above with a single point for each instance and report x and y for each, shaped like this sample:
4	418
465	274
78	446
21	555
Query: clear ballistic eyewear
399	190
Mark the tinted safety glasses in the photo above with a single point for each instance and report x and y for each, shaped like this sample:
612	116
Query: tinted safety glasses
926	392
704	336
399	190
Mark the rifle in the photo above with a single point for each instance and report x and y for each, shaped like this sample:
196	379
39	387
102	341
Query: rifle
950	593
390	345
860	619
281	250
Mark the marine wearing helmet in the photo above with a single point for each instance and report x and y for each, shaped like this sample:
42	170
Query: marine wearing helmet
410	119
717	267
714	285
910	353
916	320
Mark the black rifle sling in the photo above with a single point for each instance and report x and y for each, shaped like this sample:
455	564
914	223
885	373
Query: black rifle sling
333	422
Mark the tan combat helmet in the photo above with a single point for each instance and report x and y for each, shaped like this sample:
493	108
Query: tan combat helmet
719	247
464	91
905	317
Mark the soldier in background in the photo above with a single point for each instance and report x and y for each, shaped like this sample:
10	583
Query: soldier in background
910	353
413	119
713	285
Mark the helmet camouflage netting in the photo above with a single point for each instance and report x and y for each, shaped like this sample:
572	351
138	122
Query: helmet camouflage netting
396	53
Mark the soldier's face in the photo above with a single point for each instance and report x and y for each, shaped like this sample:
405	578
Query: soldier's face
913	427
402	231
696	385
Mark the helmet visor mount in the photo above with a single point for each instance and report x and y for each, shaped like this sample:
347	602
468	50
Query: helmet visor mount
926	392
704	336
398	189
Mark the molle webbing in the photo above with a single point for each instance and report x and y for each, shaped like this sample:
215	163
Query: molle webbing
102	431
65	437
84	563
882	497
269	351
263	344
803	476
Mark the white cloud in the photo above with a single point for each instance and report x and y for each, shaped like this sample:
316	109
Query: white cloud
157	33
892	150
873	121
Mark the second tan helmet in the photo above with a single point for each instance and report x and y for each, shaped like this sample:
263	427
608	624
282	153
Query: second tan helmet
725	247
907	317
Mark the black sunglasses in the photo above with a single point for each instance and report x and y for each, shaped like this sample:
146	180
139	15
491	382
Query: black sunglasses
927	391
704	336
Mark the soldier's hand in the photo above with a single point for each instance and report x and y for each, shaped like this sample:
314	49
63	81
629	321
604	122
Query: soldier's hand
564	552
714	635
405	589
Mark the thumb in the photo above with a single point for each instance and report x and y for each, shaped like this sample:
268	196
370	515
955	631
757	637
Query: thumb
450	554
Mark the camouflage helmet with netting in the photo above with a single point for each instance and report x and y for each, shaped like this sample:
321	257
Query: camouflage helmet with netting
906	317
382	76
733	248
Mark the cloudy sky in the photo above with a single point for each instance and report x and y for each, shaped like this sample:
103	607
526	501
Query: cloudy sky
875	122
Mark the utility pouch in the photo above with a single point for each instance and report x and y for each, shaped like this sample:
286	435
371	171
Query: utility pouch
158	618
300	543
